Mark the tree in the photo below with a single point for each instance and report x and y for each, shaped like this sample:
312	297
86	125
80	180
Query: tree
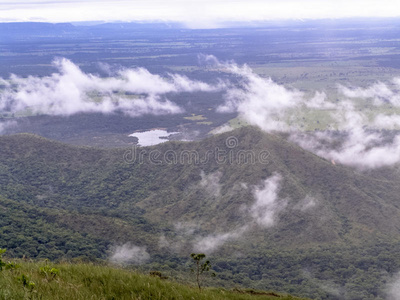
2	263
200	267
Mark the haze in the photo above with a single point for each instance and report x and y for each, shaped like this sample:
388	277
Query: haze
194	13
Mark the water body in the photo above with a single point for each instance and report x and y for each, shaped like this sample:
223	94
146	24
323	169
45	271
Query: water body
152	137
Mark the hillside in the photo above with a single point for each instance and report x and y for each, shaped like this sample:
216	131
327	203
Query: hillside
88	281
269	214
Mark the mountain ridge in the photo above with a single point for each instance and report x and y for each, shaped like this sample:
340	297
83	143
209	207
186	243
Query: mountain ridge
285	205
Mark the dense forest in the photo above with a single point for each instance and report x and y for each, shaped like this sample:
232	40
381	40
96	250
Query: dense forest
65	202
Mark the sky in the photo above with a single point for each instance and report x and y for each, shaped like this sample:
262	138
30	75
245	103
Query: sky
194	13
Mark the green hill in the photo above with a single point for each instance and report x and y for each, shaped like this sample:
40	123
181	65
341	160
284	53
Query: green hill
334	232
41	280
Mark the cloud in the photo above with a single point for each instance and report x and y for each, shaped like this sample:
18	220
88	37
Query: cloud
129	253
270	106
306	204
4	125
266	206
194	13
183	234
260	101
222	129
330	287
211	183
319	101
134	92
262	213
393	289
387	122
356	145
379	92
212	242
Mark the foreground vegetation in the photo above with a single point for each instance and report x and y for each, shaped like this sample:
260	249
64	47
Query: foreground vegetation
41	280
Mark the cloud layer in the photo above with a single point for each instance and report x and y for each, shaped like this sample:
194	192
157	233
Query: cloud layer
194	13
259	101
263	213
134	92
357	140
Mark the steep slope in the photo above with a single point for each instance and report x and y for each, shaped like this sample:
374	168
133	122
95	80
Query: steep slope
270	213
205	181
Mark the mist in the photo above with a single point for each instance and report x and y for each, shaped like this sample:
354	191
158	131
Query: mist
393	288
128	253
262	213
266	206
211	183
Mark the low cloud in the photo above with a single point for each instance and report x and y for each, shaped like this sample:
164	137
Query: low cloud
387	122
393	288
260	101
262	213
357	145
210	183
222	129
356	142
306	204
129	253
266	207
183	233
212	242
5	125
134	92
319	101
379	92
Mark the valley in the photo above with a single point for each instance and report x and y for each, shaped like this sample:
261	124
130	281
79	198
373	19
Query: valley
279	157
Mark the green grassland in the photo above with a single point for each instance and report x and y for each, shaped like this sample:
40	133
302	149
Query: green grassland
44	280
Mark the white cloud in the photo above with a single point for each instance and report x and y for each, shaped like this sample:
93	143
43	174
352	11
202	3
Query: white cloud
306	204
211	183
222	129
266	207
262	213
212	242
268	105
379	92
72	91
394	288
259	101
4	125
387	122
359	146
129	253
319	101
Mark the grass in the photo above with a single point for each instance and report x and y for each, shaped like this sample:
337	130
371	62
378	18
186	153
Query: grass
89	281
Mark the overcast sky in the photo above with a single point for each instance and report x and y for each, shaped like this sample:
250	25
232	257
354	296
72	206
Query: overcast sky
195	13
